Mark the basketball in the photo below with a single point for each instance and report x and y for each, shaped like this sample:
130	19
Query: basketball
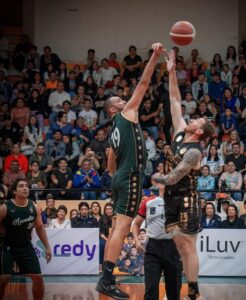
182	33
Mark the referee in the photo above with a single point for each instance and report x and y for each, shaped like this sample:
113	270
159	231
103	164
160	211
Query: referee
161	254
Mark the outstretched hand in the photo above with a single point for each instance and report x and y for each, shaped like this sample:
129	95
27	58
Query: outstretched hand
170	60
158	48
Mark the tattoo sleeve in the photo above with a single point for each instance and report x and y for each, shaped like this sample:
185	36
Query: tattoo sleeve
190	160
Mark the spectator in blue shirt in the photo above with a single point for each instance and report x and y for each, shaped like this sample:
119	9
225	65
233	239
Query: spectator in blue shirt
61	124
206	182
228	122
86	179
216	88
209	218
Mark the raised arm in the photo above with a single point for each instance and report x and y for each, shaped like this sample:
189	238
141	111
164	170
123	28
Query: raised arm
130	110
175	97
190	161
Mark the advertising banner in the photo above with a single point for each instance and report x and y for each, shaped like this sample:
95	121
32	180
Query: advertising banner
75	251
222	252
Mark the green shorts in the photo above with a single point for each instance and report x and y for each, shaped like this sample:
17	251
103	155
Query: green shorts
25	258
127	192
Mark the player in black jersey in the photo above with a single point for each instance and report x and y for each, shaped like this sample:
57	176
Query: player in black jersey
182	204
18	216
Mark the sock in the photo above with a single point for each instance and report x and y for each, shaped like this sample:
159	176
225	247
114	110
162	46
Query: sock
193	290
108	270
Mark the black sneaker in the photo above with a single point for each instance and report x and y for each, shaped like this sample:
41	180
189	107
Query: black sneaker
111	289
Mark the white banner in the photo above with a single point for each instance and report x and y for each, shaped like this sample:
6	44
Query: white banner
222	252
75	251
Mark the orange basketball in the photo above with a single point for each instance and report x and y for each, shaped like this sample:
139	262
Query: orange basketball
182	33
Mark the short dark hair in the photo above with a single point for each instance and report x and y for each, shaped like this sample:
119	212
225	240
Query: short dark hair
35	162
91	51
237	144
14	185
206	166
132	47
142	230
83	203
62	207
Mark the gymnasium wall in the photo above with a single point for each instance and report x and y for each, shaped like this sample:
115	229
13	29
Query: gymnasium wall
71	27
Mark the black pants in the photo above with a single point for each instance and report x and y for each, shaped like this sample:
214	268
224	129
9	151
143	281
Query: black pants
162	256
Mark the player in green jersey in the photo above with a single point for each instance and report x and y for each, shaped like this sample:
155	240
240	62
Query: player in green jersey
126	164
18	216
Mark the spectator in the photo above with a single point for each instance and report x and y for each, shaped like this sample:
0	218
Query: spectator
126	266
99	145
45	162
216	88
55	148
243	216
130	242
99	100
50	212
29	72
203	111
209	218
49	58
106	180
206	182
62	178
89	155
60	221
232	221
63	72
20	113
199	87
185	116
190	104
87	179
51	82
228	122
235	86
90	87
210	104
78	75
217	61
230	101
105	224
231	57
33	131
89	115
37	180
221	203
91	57
33	56
56	100
72	151
96	210
136	260
242	102
26	147
232	180
107	73
95	72
73	213
16	155
10	129
238	158
194	58
12	174
5	88
36	105
193	73
214	161
81	132
132	64
71	115
84	219
113	63
227	146
149	118
226	74
38	84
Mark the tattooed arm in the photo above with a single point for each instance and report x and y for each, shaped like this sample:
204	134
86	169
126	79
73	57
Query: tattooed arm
191	160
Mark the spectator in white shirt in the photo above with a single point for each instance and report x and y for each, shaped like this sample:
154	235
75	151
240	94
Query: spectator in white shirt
89	115
60	221
107	73
71	115
190	104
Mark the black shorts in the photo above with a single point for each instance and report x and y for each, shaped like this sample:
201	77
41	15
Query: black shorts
25	258
183	211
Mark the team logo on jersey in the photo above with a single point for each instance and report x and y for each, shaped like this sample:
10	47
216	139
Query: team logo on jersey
152	210
183	150
179	138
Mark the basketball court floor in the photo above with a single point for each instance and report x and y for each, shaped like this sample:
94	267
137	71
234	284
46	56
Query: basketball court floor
83	288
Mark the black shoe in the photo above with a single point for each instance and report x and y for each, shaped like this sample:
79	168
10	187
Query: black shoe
111	289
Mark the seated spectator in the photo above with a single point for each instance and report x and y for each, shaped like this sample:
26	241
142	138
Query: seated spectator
214	161
36	105
106	181
71	115
72	151
113	63
33	131
51	81
12	174
73	213
50	212
62	178
192	74
10	129
89	115
216	88
91	57
132	64
16	155
231	57
143	240
236	85
6	87
199	87
60	221
150	145
230	101
26	147
84	219
61	124
232	221
96	210
242	102
228	122
70	84
128	245
190	104
107	73
29	72
226	74
45	162
20	113
86	179
105	224
37	180
221	202
33	56
55	148
217	61
203	111
149	118
62	72
185	116
49	58
82	132
238	158
121	259
100	100
215	142
210	104
126	266
227	146
194	58
95	72
209	218
231	179
56	100
89	155
203	148
206	182
136	260
182	75
38	84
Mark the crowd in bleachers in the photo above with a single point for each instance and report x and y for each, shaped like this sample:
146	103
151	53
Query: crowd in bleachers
55	132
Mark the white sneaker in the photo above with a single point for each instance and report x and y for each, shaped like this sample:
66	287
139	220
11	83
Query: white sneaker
165	297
